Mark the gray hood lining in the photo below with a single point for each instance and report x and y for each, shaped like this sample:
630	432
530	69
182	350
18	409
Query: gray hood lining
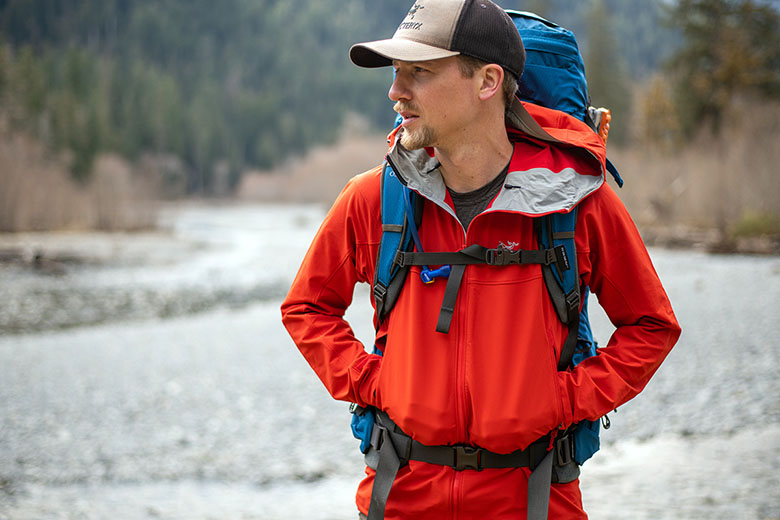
539	191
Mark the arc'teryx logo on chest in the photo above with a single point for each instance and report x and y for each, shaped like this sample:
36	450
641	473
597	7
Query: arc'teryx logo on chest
509	245
414	26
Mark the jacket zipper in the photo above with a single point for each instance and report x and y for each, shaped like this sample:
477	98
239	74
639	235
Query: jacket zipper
457	486
460	379
461	382
461	406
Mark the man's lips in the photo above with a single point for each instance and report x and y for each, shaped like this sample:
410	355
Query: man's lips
408	118
408	114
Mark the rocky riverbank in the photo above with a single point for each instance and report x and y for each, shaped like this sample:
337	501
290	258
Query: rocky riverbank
710	240
215	414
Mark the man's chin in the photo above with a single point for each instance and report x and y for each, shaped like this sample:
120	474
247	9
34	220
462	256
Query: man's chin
416	140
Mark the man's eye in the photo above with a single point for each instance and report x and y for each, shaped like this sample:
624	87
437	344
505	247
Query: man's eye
420	69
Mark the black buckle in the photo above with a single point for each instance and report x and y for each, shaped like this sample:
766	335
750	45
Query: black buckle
502	256
564	450
467	457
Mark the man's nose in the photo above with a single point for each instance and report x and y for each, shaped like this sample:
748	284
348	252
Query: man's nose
399	89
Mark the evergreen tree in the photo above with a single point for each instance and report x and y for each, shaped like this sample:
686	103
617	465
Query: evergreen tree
242	83
608	83
732	47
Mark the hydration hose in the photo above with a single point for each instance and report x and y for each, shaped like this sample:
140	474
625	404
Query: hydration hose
427	275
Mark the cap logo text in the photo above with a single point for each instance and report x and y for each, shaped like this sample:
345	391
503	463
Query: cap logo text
414	26
408	25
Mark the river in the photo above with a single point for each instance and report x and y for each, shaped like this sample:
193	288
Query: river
147	376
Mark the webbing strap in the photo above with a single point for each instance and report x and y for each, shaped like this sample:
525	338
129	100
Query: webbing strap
386	470
389	438
567	352
539	489
471	255
572	305
477	254
450	298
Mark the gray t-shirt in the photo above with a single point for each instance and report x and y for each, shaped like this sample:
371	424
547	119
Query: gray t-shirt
470	204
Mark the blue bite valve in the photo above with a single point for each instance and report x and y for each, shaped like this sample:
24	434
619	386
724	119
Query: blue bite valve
429	275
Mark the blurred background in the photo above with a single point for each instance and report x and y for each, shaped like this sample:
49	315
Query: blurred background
164	165
110	106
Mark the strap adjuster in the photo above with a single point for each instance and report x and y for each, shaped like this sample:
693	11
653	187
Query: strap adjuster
467	457
380	290
572	301
400	259
564	450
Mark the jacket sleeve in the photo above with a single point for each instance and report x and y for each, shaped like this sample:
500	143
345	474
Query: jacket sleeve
614	263
313	311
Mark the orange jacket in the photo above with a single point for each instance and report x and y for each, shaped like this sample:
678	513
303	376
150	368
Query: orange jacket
493	380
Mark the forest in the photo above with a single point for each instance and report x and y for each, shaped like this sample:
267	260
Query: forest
201	92
243	83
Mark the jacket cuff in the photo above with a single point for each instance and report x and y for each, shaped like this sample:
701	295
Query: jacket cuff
366	381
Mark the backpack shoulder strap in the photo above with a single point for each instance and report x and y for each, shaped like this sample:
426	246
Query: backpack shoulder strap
396	237
562	277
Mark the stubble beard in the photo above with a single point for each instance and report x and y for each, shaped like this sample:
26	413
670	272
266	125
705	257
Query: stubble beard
422	137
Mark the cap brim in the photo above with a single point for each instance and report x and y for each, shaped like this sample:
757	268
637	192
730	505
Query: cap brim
381	53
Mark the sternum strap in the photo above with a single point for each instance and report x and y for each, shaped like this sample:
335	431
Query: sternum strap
477	254
471	255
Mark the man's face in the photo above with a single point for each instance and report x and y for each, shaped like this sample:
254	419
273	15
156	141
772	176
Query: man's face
435	100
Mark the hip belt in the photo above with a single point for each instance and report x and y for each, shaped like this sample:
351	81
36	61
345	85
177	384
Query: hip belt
392	449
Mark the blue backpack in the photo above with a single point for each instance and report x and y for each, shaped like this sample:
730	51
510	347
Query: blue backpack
554	77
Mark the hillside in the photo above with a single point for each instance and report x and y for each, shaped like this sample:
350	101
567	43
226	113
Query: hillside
230	86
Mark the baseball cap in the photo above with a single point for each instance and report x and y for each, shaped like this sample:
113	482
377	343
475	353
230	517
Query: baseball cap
435	29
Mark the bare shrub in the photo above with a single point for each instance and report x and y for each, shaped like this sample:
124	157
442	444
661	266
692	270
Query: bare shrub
321	174
713	182
119	199
38	194
165	174
35	192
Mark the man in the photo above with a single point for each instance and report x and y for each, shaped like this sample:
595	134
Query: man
478	382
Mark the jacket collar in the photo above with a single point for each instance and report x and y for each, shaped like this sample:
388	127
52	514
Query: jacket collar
544	191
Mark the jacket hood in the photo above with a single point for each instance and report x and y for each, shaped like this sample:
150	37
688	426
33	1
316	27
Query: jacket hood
556	186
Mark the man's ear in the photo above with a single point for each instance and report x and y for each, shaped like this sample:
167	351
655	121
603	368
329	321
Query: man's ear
492	77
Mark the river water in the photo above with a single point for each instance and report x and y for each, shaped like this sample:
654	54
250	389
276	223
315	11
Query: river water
147	376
